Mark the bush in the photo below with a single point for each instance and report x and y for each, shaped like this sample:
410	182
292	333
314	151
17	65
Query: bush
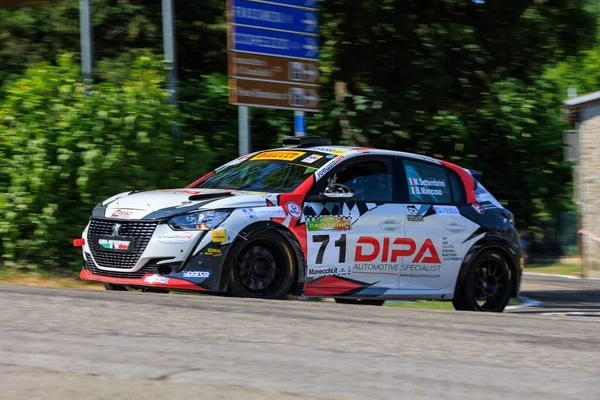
61	152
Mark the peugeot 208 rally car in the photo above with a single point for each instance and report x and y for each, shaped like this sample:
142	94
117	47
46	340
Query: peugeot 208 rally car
357	224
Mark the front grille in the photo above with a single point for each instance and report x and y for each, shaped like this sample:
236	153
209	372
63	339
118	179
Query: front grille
141	231
118	274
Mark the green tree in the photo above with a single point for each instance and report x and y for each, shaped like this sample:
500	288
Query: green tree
61	152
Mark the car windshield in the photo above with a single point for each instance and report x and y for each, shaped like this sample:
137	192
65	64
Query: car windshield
259	176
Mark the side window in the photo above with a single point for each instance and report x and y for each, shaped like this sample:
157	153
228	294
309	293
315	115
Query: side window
370	180
427	183
458	189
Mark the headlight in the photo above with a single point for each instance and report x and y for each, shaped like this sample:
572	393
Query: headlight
198	220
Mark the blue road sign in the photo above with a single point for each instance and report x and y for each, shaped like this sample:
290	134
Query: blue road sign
269	16
283	44
292	3
299	123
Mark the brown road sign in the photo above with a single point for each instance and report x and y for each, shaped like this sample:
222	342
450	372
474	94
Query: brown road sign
269	68
296	97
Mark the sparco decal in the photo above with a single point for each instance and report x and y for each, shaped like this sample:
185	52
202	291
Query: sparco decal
369	249
196	274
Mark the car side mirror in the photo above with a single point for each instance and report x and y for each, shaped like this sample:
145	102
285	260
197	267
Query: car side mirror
336	196
335	193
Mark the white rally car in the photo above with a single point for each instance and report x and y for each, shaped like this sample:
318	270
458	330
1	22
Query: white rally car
358	224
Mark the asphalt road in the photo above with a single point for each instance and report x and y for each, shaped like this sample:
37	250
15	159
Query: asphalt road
562	295
77	344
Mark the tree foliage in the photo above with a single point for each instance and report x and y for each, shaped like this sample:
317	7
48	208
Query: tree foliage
61	152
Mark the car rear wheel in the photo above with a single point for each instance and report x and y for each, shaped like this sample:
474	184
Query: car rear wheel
366	302
262	267
486	286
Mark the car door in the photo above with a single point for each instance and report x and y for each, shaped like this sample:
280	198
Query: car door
352	239
436	233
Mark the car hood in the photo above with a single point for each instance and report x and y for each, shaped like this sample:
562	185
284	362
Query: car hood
156	204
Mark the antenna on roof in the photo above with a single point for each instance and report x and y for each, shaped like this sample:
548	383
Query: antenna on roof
305	141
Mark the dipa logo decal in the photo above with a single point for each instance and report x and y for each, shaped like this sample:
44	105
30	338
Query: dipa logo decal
412	210
294	210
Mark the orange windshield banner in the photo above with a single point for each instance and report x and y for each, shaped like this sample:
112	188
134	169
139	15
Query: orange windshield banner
279	155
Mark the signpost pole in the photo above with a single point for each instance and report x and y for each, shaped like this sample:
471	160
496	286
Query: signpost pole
85	25
169	50
299	123
244	130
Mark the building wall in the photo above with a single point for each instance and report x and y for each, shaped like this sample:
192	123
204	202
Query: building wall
589	131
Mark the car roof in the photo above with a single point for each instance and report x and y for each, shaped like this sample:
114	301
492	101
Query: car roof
355	151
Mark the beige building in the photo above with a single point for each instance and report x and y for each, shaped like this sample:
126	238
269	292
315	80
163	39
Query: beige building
584	112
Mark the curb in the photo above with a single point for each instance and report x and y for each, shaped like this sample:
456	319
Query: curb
558	276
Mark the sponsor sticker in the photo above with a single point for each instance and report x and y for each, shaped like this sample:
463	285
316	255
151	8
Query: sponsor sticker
317	272
413	213
478	209
249	192
196	274
329	223
446	210
412	210
425	190
219	235
426	182
336	152
279	155
123	214
114	244
156	279
329	166
263	212
294	210
312	158
212	252
174	238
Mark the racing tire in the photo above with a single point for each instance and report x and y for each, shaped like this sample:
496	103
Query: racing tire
365	302
487	284
115	287
261	267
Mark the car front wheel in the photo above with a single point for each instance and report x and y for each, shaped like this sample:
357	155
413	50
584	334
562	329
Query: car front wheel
262	267
487	284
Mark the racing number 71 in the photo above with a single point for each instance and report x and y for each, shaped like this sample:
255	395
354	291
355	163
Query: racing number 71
324	240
